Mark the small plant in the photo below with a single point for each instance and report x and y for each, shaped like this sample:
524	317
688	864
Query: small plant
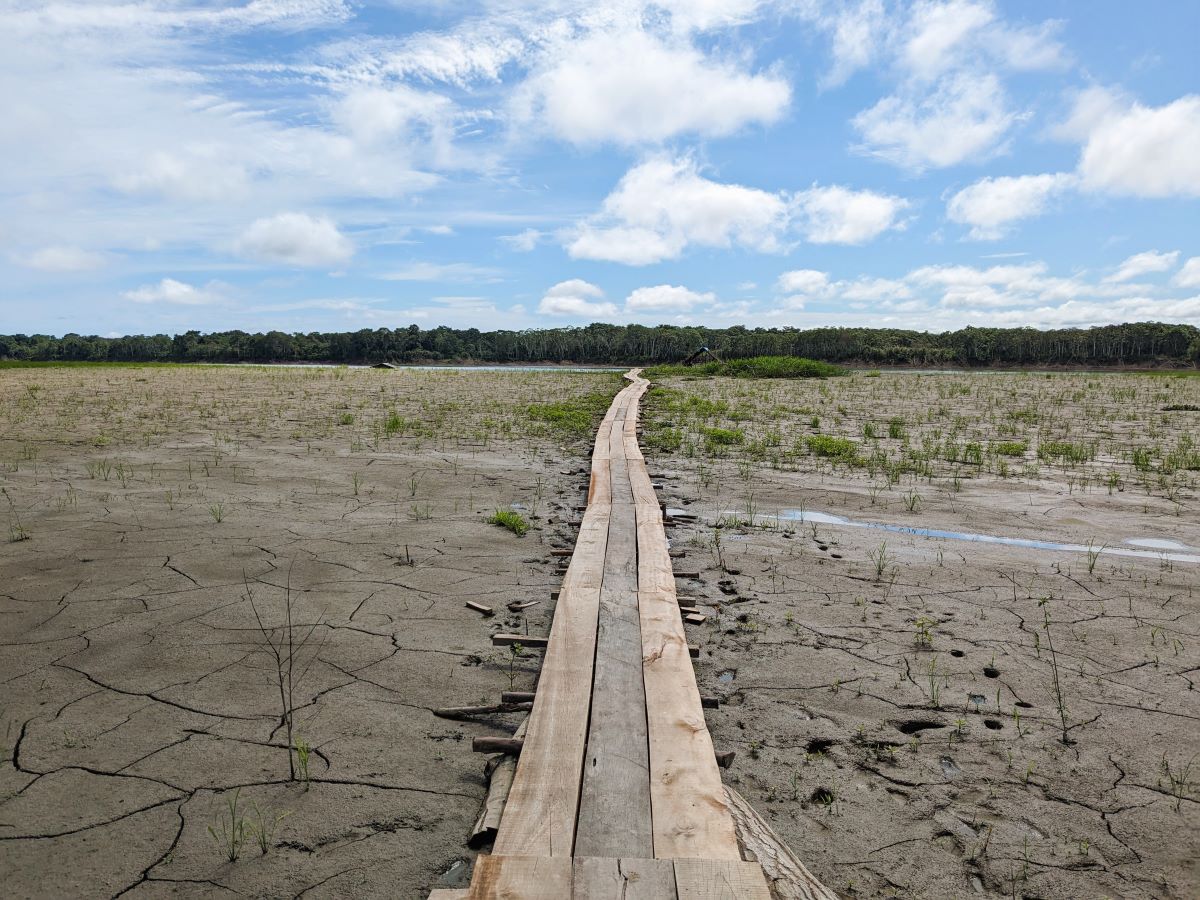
510	519
303	752
263	827
935	688
233	831
923	635
515	651
16	531
882	560
217	511
1178	780
356	478
912	501
1093	555
1060	702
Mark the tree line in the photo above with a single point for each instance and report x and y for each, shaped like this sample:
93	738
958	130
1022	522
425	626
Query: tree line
1148	344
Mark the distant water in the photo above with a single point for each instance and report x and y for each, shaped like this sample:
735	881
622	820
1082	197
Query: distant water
429	368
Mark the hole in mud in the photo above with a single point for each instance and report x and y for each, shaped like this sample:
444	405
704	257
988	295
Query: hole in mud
994	724
1024	705
912	726
991	672
957	654
727	676
819	745
822	795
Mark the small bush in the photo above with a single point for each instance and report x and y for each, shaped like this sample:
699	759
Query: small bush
1065	451
756	367
723	437
510	519
1010	448
832	448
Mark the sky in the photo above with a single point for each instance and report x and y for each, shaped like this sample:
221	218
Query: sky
332	165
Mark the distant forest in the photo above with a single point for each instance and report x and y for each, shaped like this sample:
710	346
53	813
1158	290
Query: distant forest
1145	344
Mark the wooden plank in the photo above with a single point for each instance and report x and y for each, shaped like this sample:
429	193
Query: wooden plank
527	641
720	879
624	879
449	894
614	807
499	877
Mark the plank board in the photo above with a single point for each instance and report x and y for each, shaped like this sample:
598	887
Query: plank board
712	879
624	879
521	878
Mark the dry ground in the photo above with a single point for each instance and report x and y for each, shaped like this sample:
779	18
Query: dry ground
893	696
137	701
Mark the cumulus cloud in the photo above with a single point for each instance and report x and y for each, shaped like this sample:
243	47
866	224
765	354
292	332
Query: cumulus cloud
991	205
1188	275
631	86
295	239
64	259
838	215
665	298
1144	264
962	119
803	281
524	241
577	298
1136	150
662	205
170	291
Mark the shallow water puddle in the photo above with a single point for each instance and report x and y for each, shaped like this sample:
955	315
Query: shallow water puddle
1155	548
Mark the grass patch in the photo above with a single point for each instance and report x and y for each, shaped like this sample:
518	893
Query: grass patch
510	519
1064	451
824	445
577	417
1010	448
755	367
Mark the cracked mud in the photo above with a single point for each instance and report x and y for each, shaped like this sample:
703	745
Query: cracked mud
137	699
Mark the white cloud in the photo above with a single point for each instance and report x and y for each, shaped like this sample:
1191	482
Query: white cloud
666	297
1143	264
961	120
1188	275
176	293
524	241
578	298
939	33
838	215
64	259
1136	150
661	206
428	271
991	205
803	281
630	87
295	239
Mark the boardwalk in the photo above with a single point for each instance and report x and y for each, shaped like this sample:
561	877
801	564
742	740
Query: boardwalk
617	793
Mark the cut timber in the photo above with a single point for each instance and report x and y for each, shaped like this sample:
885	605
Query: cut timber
693	650
561	552
500	771
512	746
466	712
521	878
449	894
790	880
480	608
720	879
725	758
525	640
623	879
692	575
695	618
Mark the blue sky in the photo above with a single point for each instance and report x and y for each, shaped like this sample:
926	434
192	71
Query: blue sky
335	165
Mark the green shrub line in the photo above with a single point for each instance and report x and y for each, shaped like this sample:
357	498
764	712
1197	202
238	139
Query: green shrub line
755	367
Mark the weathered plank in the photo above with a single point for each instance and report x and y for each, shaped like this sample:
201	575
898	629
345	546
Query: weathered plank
521	878
614	807
624	879
720	879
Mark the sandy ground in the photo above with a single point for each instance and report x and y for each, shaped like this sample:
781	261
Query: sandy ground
137	697
892	696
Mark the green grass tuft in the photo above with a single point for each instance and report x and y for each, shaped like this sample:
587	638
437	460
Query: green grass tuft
510	519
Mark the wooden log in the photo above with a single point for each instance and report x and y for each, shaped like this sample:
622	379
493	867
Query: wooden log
517	696
467	712
554	595
480	608
789	878
677	554
693	650
500	771
686	610
487	744
710	702
527	641
449	894
687	574
560	552
725	758
695	618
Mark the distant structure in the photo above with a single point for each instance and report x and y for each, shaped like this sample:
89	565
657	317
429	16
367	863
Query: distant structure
699	353
384	365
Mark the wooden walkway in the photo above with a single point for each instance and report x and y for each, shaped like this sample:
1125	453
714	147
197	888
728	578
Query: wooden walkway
617	792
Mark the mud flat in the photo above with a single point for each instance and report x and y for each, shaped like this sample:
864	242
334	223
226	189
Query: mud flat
137	698
919	712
